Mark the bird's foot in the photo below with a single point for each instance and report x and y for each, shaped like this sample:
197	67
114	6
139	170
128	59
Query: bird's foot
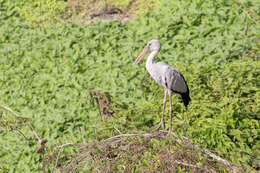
169	133
161	124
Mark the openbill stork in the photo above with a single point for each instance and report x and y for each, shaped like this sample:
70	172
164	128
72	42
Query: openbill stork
165	75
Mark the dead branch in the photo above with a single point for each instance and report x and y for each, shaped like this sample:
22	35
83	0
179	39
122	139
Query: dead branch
10	110
117	130
111	149
37	136
186	140
103	102
20	132
246	28
58	156
83	158
121	135
217	158
205	151
146	135
189	165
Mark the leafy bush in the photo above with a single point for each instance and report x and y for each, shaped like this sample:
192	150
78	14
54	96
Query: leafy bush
36	12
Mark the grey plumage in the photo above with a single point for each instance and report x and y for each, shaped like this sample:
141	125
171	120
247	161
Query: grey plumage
165	75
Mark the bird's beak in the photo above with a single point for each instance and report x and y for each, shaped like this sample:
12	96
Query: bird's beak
141	56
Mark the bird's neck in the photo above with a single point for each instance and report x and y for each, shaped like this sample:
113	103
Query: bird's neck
151	57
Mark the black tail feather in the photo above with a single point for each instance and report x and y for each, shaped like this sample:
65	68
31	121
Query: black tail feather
185	98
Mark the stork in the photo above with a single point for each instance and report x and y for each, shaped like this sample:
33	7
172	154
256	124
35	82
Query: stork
165	75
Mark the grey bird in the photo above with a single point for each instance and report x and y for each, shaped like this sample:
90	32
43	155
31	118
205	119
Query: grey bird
165	75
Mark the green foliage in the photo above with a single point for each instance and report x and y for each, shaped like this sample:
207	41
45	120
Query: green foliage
35	12
49	12
40	12
46	74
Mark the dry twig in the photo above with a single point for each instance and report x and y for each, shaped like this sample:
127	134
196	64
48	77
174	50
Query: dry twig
58	156
103	102
117	130
146	135
205	151
37	136
20	132
10	110
186	164
192	166
246	28
186	140
112	150
217	158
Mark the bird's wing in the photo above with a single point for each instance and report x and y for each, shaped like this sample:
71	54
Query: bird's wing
175	81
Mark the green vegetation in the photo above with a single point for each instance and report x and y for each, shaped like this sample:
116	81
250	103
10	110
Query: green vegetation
48	71
53	12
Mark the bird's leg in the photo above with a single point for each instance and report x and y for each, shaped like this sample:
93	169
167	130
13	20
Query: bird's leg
162	119
164	103
170	129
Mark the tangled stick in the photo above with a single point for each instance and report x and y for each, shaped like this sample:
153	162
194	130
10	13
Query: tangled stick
10	110
58	156
113	148
203	150
103	102
246	28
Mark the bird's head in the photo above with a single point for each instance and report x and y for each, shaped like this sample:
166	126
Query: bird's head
152	45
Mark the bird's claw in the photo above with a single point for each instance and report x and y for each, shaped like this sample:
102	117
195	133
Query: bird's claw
169	133
161	124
